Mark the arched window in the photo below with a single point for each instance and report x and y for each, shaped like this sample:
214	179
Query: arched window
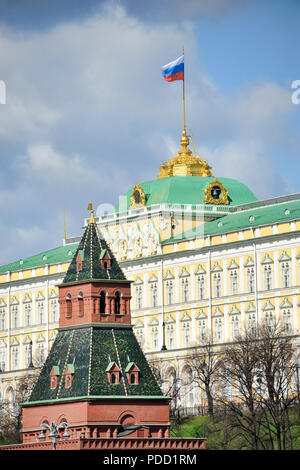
69	305
102	301
80	304
117	302
132	378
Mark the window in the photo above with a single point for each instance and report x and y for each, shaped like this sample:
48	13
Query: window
218	330
250	279
15	314
102	301
27	309
41	353
40	309
217	287
233	279
169	292
268	276
153	294
202	331
2	318
235	327
286	321
170	335
139	296
2	358
200	281
184	289
54	310
285	273
269	319
186	333
251	322
28	355
139	333
15	357
154	338
117	302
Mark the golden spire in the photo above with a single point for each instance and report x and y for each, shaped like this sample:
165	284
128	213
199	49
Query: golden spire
92	218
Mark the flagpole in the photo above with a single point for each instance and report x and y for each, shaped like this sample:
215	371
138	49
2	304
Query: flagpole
183	96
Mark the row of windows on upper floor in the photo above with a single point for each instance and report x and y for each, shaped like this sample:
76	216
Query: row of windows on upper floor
216	283
16	314
215	331
21	356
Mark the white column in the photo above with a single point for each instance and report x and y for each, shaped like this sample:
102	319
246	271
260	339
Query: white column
275	269
294	278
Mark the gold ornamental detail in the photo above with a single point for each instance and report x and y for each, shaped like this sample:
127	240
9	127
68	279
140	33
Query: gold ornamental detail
138	197
184	164
215	193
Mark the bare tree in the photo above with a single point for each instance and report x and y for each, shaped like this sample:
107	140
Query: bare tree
205	364
11	409
277	373
258	370
237	377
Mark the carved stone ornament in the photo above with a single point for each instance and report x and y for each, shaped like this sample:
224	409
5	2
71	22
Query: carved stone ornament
215	193
138	197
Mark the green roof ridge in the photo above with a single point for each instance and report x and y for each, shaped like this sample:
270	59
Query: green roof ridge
282	212
55	255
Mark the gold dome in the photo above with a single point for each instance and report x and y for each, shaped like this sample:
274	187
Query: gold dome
184	163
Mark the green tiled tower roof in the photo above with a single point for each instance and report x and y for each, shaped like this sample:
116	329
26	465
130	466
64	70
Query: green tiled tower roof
90	350
92	248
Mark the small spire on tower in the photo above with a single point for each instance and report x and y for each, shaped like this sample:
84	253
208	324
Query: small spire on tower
92	218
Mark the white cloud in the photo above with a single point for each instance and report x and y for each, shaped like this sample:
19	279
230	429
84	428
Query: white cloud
88	115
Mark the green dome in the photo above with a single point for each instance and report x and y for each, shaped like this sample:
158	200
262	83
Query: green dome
189	190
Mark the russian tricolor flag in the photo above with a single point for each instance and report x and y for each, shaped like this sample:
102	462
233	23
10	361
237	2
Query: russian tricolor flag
174	70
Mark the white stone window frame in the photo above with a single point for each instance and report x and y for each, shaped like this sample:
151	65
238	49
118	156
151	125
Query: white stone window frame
217	276
286	311
200	275
138	293
285	270
154	330
202	328
218	326
233	274
153	289
185	285
186	329
249	267
170	329
169	286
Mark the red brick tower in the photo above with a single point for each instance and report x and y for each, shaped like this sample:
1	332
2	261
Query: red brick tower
96	389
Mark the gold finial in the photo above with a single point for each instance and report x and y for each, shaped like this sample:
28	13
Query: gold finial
92	218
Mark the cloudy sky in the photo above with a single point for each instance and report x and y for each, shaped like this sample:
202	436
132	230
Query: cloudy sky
88	114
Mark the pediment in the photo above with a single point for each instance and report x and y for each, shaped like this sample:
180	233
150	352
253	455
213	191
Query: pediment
200	270
284	257
216	267
233	265
267	259
268	306
249	262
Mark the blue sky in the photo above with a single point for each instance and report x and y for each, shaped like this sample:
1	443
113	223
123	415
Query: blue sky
88	115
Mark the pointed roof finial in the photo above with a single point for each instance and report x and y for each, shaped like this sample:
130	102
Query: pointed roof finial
92	218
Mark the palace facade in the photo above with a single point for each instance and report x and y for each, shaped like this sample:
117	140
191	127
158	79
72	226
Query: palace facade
205	258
